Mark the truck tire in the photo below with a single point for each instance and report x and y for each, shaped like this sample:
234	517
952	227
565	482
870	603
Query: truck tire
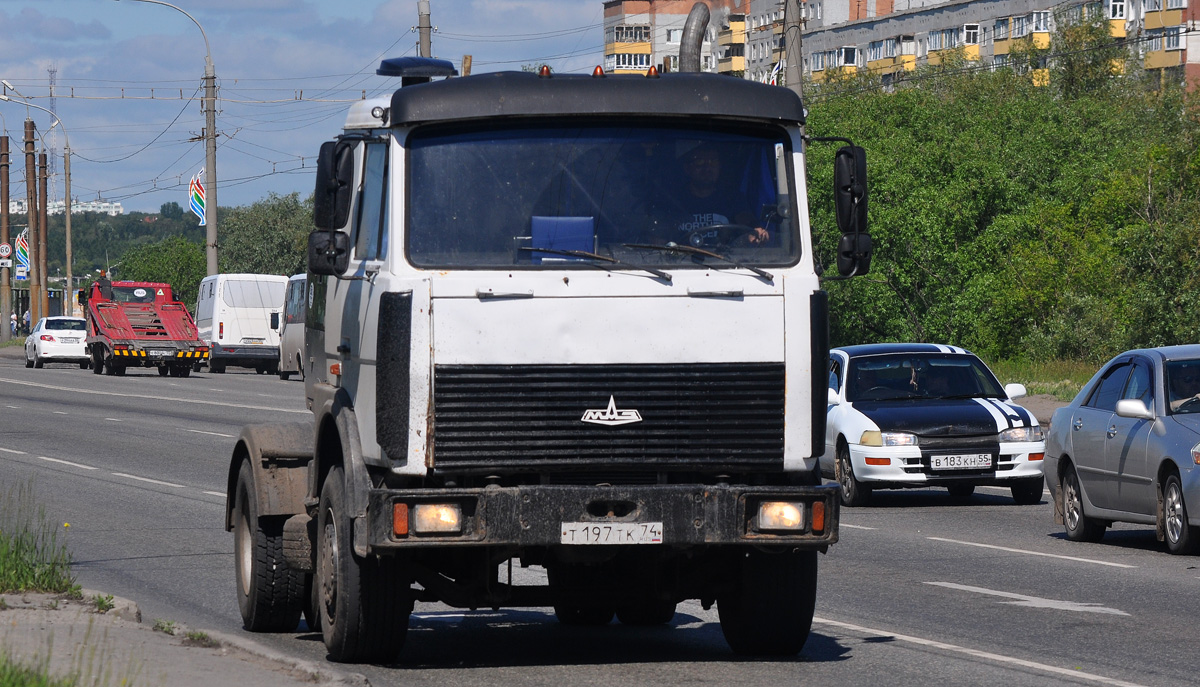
97	360
270	594
364	603
183	371
163	371
769	611
570	611
216	368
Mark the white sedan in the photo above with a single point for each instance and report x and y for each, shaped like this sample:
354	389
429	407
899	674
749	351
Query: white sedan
57	340
926	415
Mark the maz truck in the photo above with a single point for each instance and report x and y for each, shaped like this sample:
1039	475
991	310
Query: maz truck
571	324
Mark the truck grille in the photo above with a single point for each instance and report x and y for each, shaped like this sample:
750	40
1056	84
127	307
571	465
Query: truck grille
726	415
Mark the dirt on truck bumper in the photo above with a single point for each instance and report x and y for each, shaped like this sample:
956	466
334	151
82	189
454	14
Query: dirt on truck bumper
802	517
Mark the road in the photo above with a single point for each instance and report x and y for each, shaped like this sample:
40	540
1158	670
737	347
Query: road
918	590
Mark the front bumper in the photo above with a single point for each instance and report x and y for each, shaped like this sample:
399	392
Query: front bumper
532	516
909	466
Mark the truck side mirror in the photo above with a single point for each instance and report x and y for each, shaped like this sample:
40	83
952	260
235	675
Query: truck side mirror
82	297
850	200
335	181
328	252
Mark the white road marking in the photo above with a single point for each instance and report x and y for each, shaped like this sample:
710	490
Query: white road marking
59	412
1033	601
999	658
13	450
223	404
114	419
854	527
215	434
67	462
1032	553
13	407
214	493
1003	490
147	479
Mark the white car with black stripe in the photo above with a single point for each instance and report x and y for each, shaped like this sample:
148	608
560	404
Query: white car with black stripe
926	415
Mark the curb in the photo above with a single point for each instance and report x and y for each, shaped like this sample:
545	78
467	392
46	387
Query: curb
299	668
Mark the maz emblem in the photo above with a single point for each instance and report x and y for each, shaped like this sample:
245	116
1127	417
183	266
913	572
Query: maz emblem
610	416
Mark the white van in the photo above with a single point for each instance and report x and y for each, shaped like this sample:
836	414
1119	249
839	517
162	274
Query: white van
238	314
291	329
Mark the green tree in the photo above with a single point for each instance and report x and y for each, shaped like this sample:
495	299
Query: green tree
1086	56
171	211
269	237
175	261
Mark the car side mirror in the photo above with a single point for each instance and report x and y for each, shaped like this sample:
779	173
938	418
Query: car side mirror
1015	390
328	252
1134	408
832	398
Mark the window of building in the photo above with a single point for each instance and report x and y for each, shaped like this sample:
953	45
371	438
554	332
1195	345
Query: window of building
632	60
632	33
818	62
950	38
847	56
1171	38
1041	22
1116	9
1153	5
1154	40
1020	26
890	47
1176	4
971	34
1000	30
907	45
1000	61
874	51
935	40
1092	9
673	35
671	63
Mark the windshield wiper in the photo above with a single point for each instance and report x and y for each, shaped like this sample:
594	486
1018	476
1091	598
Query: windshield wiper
603	258
672	247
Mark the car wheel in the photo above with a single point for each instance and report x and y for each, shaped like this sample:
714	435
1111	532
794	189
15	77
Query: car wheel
1181	537
769	609
28	360
961	492
854	493
83	364
270	594
1078	525
37	361
1027	492
364	603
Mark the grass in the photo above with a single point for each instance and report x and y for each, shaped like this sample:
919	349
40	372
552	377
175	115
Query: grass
1060	378
15	675
200	639
31	556
103	603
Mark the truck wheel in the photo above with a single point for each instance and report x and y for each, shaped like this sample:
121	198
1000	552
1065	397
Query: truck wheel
117	368
770	610
364	603
270	594
311	605
183	371
216	368
651	613
569	610
97	360
163	371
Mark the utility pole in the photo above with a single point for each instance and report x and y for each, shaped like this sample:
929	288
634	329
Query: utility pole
792	29
6	307
424	28
31	217
43	238
210	161
69	292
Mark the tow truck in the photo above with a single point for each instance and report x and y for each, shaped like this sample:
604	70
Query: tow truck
141	324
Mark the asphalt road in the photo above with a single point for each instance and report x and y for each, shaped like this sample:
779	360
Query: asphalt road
918	590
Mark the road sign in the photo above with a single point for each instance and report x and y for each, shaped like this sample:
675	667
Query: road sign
22	273
5	250
5	262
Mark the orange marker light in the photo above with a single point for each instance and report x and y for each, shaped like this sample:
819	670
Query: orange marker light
400	519
879	461
818	516
652	73
598	71
1037	456
544	72
335	369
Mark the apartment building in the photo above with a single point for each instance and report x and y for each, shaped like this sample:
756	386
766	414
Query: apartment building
642	33
889	37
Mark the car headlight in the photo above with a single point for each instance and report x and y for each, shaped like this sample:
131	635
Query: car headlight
1022	434
1196	454
877	438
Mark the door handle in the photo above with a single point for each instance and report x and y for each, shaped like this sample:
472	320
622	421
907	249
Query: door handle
1078	424
1112	431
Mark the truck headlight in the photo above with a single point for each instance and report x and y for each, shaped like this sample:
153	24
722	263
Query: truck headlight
437	518
1022	434
877	438
780	515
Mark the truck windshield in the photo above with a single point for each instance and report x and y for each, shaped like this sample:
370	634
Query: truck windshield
491	197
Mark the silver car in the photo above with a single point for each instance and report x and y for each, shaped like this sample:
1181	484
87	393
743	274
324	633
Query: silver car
1128	449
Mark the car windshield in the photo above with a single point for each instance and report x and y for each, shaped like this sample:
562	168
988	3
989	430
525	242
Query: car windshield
71	325
489	198
1183	385
920	375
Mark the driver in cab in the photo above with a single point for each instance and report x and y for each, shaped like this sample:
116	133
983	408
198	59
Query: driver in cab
703	201
1185	386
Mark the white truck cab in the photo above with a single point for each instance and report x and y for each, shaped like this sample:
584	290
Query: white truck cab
570	320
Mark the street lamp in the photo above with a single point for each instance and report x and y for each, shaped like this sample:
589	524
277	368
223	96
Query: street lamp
66	188
210	141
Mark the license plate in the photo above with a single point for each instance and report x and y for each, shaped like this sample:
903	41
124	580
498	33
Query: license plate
160	354
70	340
612	533
970	461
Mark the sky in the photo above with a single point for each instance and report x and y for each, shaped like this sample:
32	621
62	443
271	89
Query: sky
128	82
